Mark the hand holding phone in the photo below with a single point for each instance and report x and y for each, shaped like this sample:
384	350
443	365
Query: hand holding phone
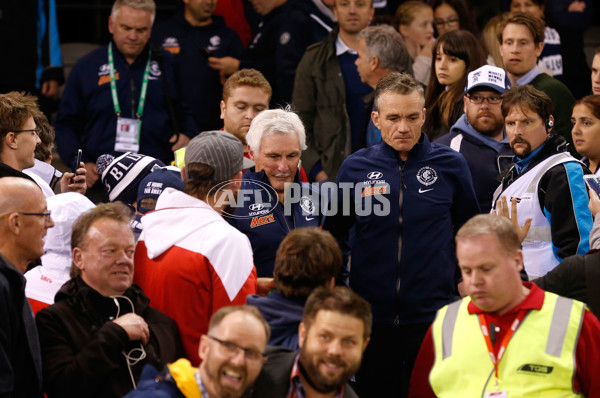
77	164
593	183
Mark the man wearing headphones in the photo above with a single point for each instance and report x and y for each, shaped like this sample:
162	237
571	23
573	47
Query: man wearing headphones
545	181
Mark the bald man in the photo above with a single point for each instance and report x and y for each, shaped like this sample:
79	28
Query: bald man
24	220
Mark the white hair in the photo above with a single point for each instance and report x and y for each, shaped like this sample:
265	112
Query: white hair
275	121
145	5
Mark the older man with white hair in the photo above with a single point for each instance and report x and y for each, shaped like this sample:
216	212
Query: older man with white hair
276	140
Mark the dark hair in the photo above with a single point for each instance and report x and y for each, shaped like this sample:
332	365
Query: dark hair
116	211
527	95
465	14
217	317
198	181
439	101
397	83
43	151
535	26
592	102
306	258
338	299
15	109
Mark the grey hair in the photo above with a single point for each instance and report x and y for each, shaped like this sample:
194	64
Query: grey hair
387	44
275	121
145	5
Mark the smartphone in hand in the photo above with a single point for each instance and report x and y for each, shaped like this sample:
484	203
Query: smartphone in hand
593	183
77	164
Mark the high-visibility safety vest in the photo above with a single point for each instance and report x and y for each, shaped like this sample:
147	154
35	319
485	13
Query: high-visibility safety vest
538	256
539	359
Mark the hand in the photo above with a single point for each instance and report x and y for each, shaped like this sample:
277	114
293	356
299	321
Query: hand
576	6
427	49
79	181
91	174
227	65
49	88
502	210
264	285
321	176
135	326
594	204
180	142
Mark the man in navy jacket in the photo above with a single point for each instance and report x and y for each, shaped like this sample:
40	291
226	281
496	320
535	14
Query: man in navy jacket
408	199
93	119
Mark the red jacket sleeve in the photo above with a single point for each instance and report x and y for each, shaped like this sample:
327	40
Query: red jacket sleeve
419	381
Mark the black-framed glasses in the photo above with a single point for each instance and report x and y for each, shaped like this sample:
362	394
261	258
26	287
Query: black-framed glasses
47	215
450	21
478	99
37	131
232	349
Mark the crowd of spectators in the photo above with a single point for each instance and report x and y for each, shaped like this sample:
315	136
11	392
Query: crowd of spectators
359	198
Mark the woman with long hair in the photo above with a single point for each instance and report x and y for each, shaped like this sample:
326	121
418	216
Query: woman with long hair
451	15
586	131
456	53
414	21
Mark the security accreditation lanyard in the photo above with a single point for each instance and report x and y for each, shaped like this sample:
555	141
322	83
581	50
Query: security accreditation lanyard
128	130
488	341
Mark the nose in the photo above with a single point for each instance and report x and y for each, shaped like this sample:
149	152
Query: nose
334	348
239	358
49	222
576	130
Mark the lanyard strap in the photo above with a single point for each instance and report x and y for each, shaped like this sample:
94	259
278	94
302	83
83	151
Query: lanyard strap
509	333
113	84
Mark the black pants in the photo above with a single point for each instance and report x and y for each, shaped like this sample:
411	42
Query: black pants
389	359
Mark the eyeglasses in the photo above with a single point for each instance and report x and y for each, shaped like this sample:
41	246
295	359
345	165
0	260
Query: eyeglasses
232	349
37	131
452	21
478	99
47	215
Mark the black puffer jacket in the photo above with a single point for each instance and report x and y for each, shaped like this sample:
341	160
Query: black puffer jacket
82	349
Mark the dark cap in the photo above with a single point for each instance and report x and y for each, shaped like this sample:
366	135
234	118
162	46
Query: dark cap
219	150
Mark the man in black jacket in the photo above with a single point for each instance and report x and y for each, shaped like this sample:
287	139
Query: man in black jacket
24	220
333	335
100	332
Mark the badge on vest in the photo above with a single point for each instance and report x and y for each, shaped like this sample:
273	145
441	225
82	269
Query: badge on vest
496	394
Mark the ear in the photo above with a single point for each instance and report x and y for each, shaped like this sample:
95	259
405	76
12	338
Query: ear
519	258
203	347
538	49
237	183
10	140
222	106
366	343
77	256
331	282
111	27
183	173
424	112
403	29
14	223
375	118
301	334
251	153
550	121
465	99
375	62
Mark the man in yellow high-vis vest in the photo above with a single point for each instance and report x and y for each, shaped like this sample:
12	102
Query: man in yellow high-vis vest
508	338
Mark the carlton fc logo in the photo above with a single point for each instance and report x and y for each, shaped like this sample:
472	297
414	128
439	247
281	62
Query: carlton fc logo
307	205
427	176
375	175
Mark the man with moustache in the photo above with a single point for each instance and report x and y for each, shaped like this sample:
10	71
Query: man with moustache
189	260
101	330
333	334
276	140
24	220
479	133
232	353
509	337
521	39
546	181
